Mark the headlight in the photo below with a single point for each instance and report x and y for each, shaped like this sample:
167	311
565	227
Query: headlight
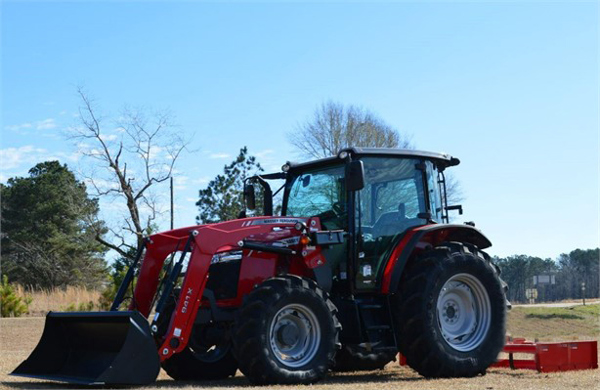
226	257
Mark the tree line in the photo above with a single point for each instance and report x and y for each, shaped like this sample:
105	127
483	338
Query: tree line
565	275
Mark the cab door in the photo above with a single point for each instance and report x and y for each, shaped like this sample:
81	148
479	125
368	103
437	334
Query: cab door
392	201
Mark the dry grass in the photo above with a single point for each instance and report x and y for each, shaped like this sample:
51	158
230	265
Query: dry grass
20	335
57	299
555	323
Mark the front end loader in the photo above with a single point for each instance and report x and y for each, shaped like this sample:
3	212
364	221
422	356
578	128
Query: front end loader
362	264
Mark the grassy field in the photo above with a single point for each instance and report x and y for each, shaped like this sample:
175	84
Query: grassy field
555	323
56	299
18	336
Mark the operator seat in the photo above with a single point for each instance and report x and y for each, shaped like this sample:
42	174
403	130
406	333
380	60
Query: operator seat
390	223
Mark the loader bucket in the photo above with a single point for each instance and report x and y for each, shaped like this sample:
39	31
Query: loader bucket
94	349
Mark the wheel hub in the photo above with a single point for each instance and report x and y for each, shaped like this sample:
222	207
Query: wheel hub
294	335
464	312
451	311
288	334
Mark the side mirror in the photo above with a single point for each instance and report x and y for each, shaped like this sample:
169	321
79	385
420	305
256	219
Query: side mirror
249	196
355	175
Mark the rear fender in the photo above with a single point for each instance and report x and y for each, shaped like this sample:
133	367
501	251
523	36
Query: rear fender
415	240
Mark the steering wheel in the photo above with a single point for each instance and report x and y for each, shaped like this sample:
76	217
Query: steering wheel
338	209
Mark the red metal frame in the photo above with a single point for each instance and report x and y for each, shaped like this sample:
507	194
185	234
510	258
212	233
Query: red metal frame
548	357
208	240
551	357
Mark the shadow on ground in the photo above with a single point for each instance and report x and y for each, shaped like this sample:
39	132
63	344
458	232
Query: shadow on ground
561	316
238	381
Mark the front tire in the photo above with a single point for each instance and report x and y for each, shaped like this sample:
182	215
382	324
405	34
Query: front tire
286	332
451	316
205	364
208	355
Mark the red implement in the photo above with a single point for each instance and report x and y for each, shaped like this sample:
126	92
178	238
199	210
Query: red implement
551	357
548	357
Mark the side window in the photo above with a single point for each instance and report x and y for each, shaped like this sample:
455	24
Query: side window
435	199
392	195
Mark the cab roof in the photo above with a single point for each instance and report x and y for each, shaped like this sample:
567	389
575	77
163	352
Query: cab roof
442	160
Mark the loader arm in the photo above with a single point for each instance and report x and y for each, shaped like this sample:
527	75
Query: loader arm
202	242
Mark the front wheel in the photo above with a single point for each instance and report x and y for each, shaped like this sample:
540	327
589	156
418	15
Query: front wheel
208	355
451	312
286	332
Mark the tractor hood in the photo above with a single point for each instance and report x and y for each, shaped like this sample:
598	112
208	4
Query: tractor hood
208	240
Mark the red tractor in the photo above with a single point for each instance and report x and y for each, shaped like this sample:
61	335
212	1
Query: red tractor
361	264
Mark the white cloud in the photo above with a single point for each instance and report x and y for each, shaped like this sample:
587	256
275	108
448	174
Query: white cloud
219	155
180	182
108	137
201	180
101	184
20	159
11	158
18	127
46	124
264	153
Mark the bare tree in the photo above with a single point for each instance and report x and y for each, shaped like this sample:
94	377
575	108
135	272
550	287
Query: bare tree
335	126
128	162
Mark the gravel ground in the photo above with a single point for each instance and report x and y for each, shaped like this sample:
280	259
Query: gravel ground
19	336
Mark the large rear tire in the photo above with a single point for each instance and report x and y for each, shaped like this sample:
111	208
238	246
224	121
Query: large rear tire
286	332
451	312
355	358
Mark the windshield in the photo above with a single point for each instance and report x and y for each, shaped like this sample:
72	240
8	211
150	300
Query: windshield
319	193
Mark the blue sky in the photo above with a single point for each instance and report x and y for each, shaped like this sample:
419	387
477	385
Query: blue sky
509	88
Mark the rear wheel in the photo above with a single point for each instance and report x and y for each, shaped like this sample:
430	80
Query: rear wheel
451	312
286	332
355	358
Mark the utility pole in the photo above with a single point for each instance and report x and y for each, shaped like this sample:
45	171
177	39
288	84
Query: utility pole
172	203
583	292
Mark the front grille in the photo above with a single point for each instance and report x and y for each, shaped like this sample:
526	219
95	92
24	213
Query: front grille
223	279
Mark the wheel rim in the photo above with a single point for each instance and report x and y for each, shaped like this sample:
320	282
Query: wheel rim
294	335
464	312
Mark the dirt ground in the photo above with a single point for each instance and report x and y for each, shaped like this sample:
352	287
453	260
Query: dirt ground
19	336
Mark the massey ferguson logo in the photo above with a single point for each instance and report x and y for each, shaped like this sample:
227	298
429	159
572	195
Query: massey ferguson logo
273	221
187	300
